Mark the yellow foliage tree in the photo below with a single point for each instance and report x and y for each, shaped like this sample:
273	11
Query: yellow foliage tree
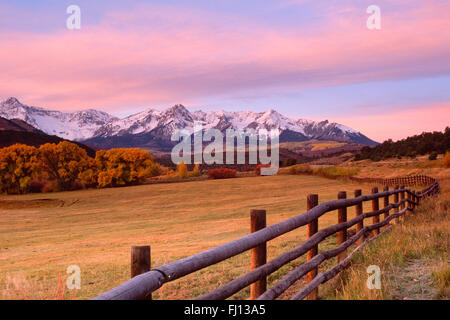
447	159
182	170
64	162
17	166
120	167
196	171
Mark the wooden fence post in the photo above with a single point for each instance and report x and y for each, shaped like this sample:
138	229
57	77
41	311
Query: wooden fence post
342	235
417	199
358	212
140	262
375	207
402	197
396	210
408	196
386	204
313	227
259	253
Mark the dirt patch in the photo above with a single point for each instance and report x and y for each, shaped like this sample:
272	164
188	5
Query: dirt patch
414	281
29	204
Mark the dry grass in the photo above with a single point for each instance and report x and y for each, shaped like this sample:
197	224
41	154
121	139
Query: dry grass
330	172
96	228
413	257
392	168
313	145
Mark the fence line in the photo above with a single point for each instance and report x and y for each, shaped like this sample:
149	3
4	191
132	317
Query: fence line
141	286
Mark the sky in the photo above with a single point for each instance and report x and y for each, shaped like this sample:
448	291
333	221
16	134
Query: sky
309	59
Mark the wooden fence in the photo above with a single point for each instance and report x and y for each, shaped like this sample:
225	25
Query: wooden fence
146	281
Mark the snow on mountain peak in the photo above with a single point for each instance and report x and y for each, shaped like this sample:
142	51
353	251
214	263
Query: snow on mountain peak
90	123
78	125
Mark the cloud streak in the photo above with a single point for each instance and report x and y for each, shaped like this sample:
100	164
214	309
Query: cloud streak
161	54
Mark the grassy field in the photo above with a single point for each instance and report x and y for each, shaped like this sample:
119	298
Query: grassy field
42	234
313	145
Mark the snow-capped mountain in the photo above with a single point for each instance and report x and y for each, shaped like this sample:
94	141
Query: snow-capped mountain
78	126
103	130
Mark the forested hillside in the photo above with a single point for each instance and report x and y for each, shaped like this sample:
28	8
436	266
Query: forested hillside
426	143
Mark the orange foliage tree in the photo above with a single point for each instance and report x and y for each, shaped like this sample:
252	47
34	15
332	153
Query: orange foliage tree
182	170
446	160
120	167
17	166
64	162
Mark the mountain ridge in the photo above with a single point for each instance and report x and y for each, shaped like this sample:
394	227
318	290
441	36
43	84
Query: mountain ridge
100	128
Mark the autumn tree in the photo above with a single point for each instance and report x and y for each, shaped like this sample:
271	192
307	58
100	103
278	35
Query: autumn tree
196	171
64	162
182	170
446	160
17	168
120	167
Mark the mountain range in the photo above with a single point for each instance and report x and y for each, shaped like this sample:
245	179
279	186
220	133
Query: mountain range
153	128
18	131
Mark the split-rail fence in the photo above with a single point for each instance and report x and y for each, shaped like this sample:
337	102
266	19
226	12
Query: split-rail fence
144	280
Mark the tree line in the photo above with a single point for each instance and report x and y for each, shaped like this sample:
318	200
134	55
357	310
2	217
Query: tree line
432	143
66	166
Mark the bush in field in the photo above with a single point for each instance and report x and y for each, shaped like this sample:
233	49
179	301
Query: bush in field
335	172
301	169
222	173
446	160
17	168
327	172
258	168
64	162
196	171
36	186
121	167
50	186
182	170
433	156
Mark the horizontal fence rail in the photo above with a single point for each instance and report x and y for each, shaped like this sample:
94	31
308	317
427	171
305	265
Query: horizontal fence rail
419	180
142	285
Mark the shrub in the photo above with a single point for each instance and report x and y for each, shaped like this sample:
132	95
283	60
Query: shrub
50	186
222	173
36	186
433	156
446	160
182	170
258	168
301	169
335	172
196	171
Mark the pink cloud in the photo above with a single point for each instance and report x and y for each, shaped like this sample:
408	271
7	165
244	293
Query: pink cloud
182	56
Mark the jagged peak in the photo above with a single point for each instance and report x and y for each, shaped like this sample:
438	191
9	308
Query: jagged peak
11	100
